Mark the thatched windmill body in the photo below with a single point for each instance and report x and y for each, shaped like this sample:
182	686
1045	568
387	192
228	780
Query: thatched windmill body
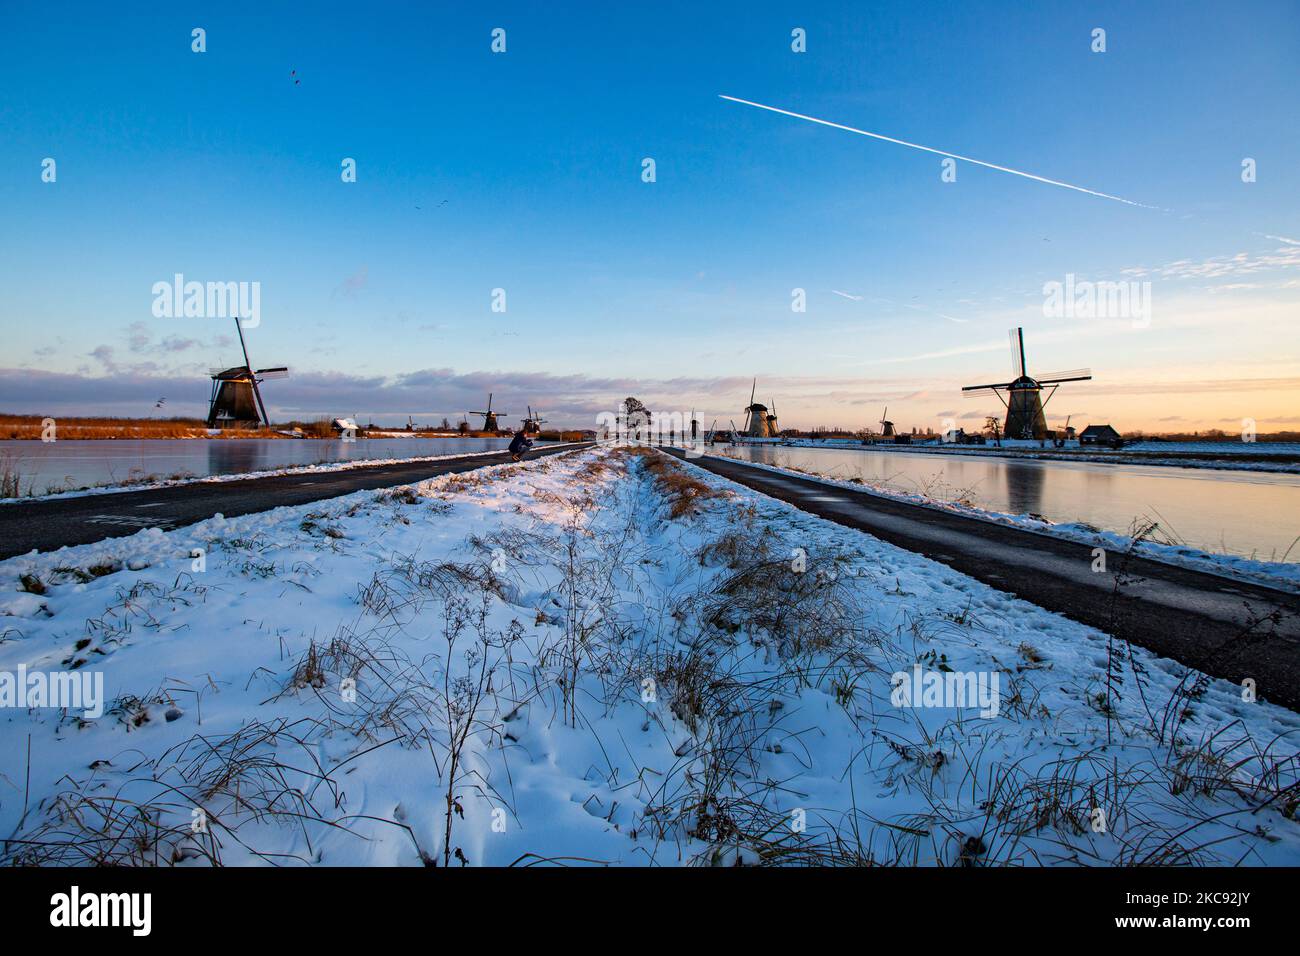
886	426
1023	396
758	423
236	400
533	423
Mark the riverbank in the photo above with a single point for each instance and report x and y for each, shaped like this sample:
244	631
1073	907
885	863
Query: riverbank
1148	539
1282	457
30	470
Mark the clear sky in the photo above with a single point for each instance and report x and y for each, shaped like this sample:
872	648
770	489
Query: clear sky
522	171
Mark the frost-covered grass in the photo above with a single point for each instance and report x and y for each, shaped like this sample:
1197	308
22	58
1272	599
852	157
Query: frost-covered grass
599	657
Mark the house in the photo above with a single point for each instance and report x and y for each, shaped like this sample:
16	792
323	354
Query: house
1100	435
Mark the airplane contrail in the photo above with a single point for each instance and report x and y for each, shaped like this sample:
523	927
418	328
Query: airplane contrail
940	152
914	308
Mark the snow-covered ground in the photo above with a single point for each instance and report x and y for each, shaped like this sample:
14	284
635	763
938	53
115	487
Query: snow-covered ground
600	657
1278	574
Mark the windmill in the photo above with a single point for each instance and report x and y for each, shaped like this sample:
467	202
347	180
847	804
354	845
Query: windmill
772	426
757	422
886	426
490	417
1023	396
236	400
532	424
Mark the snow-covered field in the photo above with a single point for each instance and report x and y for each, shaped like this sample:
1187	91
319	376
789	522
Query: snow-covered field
600	657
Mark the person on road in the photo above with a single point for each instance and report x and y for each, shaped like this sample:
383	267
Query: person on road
518	445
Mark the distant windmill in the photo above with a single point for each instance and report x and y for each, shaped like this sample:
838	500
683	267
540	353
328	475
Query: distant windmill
1023	396
532	424
236	400
757	421
490	417
886	426
773	427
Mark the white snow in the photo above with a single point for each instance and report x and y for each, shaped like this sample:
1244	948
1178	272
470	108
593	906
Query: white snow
630	688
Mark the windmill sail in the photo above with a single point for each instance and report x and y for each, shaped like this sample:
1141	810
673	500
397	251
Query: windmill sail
1023	395
236	400
490	417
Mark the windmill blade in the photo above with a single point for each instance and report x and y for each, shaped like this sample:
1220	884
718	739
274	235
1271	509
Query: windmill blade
244	348
272	373
985	388
1073	375
1017	337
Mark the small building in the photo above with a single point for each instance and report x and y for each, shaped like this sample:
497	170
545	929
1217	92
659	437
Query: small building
1100	435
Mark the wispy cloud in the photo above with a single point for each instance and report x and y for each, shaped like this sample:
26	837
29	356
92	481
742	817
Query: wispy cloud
1217	267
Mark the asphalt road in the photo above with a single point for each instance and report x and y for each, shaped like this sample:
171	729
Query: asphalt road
1202	620
48	525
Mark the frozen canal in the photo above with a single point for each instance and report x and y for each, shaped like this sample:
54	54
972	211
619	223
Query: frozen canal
1246	513
68	463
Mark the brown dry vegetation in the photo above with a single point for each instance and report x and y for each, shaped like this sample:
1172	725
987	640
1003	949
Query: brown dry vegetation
29	427
683	492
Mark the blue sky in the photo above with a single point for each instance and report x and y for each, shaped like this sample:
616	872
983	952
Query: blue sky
218	166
